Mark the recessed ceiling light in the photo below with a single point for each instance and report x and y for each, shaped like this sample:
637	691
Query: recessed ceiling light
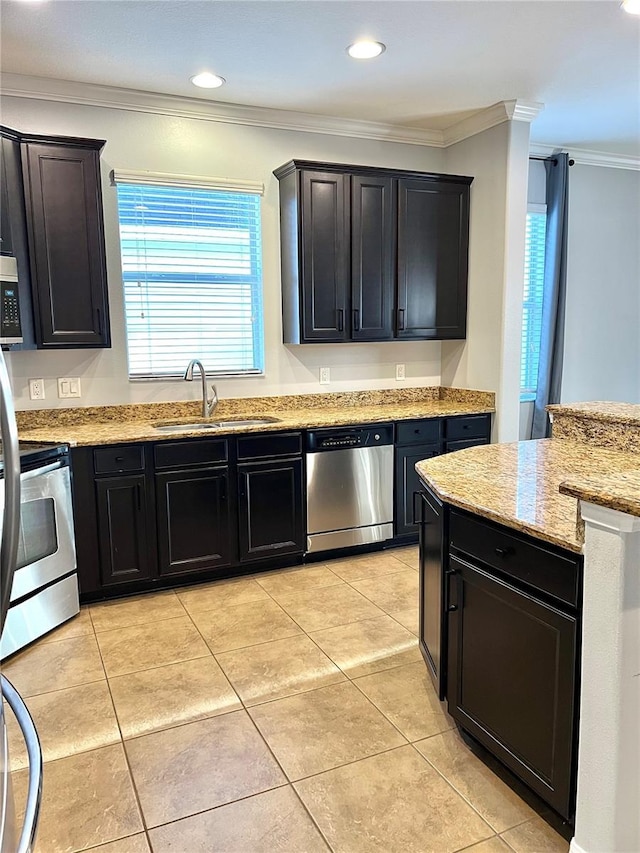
631	6
366	49
207	80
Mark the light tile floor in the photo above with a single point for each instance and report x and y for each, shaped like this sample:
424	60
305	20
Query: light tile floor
290	711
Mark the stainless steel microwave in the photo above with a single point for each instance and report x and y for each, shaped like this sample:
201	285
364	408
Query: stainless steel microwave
10	327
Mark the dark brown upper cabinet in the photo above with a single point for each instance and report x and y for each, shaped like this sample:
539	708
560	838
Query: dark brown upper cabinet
372	254
13	228
66	241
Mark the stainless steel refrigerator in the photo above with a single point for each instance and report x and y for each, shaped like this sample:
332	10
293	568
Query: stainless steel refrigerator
13	838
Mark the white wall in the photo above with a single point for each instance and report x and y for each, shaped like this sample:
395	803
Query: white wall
602	333
490	357
146	141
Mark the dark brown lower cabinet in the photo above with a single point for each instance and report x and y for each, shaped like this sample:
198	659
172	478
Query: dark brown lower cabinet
270	509
123	530
408	484
194	520
512	677
433	624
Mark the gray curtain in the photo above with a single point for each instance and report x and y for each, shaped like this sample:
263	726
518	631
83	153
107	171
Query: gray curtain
554	299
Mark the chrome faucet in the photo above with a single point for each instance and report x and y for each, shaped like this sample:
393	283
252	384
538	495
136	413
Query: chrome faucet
208	403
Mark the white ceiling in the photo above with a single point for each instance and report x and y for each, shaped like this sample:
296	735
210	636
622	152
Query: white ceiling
445	59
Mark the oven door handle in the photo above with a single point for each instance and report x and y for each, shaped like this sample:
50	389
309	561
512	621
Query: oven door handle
11	510
44	469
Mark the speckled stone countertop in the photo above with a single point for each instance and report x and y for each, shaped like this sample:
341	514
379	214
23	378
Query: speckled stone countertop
84	426
619	491
518	484
603	424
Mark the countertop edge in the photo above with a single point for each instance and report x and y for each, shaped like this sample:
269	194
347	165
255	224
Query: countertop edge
506	521
597	493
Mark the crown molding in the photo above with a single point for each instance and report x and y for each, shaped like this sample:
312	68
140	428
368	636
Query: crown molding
587	157
111	97
489	117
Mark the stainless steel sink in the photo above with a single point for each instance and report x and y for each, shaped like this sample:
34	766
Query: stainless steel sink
182	426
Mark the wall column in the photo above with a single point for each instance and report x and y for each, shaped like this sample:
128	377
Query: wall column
608	804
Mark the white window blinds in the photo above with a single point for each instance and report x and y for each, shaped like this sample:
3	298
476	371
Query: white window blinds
532	303
192	271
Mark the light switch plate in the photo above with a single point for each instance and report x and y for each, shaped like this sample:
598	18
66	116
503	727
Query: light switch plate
69	386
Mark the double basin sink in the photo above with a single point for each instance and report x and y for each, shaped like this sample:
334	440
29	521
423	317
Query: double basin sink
184	426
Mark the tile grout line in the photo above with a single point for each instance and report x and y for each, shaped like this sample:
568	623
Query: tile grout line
126	757
459	793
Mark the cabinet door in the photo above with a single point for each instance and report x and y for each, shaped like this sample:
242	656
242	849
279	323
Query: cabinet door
66	236
407	484
123	529
432	591
13	231
512	679
193	520
6	239
433	236
270	509
372	258
325	256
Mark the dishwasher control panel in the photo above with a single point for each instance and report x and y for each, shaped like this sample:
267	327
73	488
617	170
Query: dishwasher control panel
346	438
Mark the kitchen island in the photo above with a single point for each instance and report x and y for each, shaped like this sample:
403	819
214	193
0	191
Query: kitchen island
530	621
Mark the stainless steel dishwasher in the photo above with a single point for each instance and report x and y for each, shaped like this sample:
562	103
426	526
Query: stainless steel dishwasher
349	486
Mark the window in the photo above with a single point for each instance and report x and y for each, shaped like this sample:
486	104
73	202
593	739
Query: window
192	271
532	304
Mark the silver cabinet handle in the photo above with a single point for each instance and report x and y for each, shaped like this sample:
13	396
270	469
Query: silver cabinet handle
34	791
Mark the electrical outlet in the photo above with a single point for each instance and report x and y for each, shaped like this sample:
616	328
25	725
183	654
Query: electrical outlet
69	387
325	375
400	375
36	389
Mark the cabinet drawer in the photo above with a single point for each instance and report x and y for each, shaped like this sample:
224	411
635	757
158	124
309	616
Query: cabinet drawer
539	567
189	454
120	457
472	426
258	446
419	432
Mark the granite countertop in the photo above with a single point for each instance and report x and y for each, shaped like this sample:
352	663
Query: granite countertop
619	491
133	423
518	484
600	410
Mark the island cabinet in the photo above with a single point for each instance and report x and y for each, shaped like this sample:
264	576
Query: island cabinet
372	254
64	220
500	632
157	514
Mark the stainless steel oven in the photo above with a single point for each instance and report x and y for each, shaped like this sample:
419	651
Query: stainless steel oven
44	592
